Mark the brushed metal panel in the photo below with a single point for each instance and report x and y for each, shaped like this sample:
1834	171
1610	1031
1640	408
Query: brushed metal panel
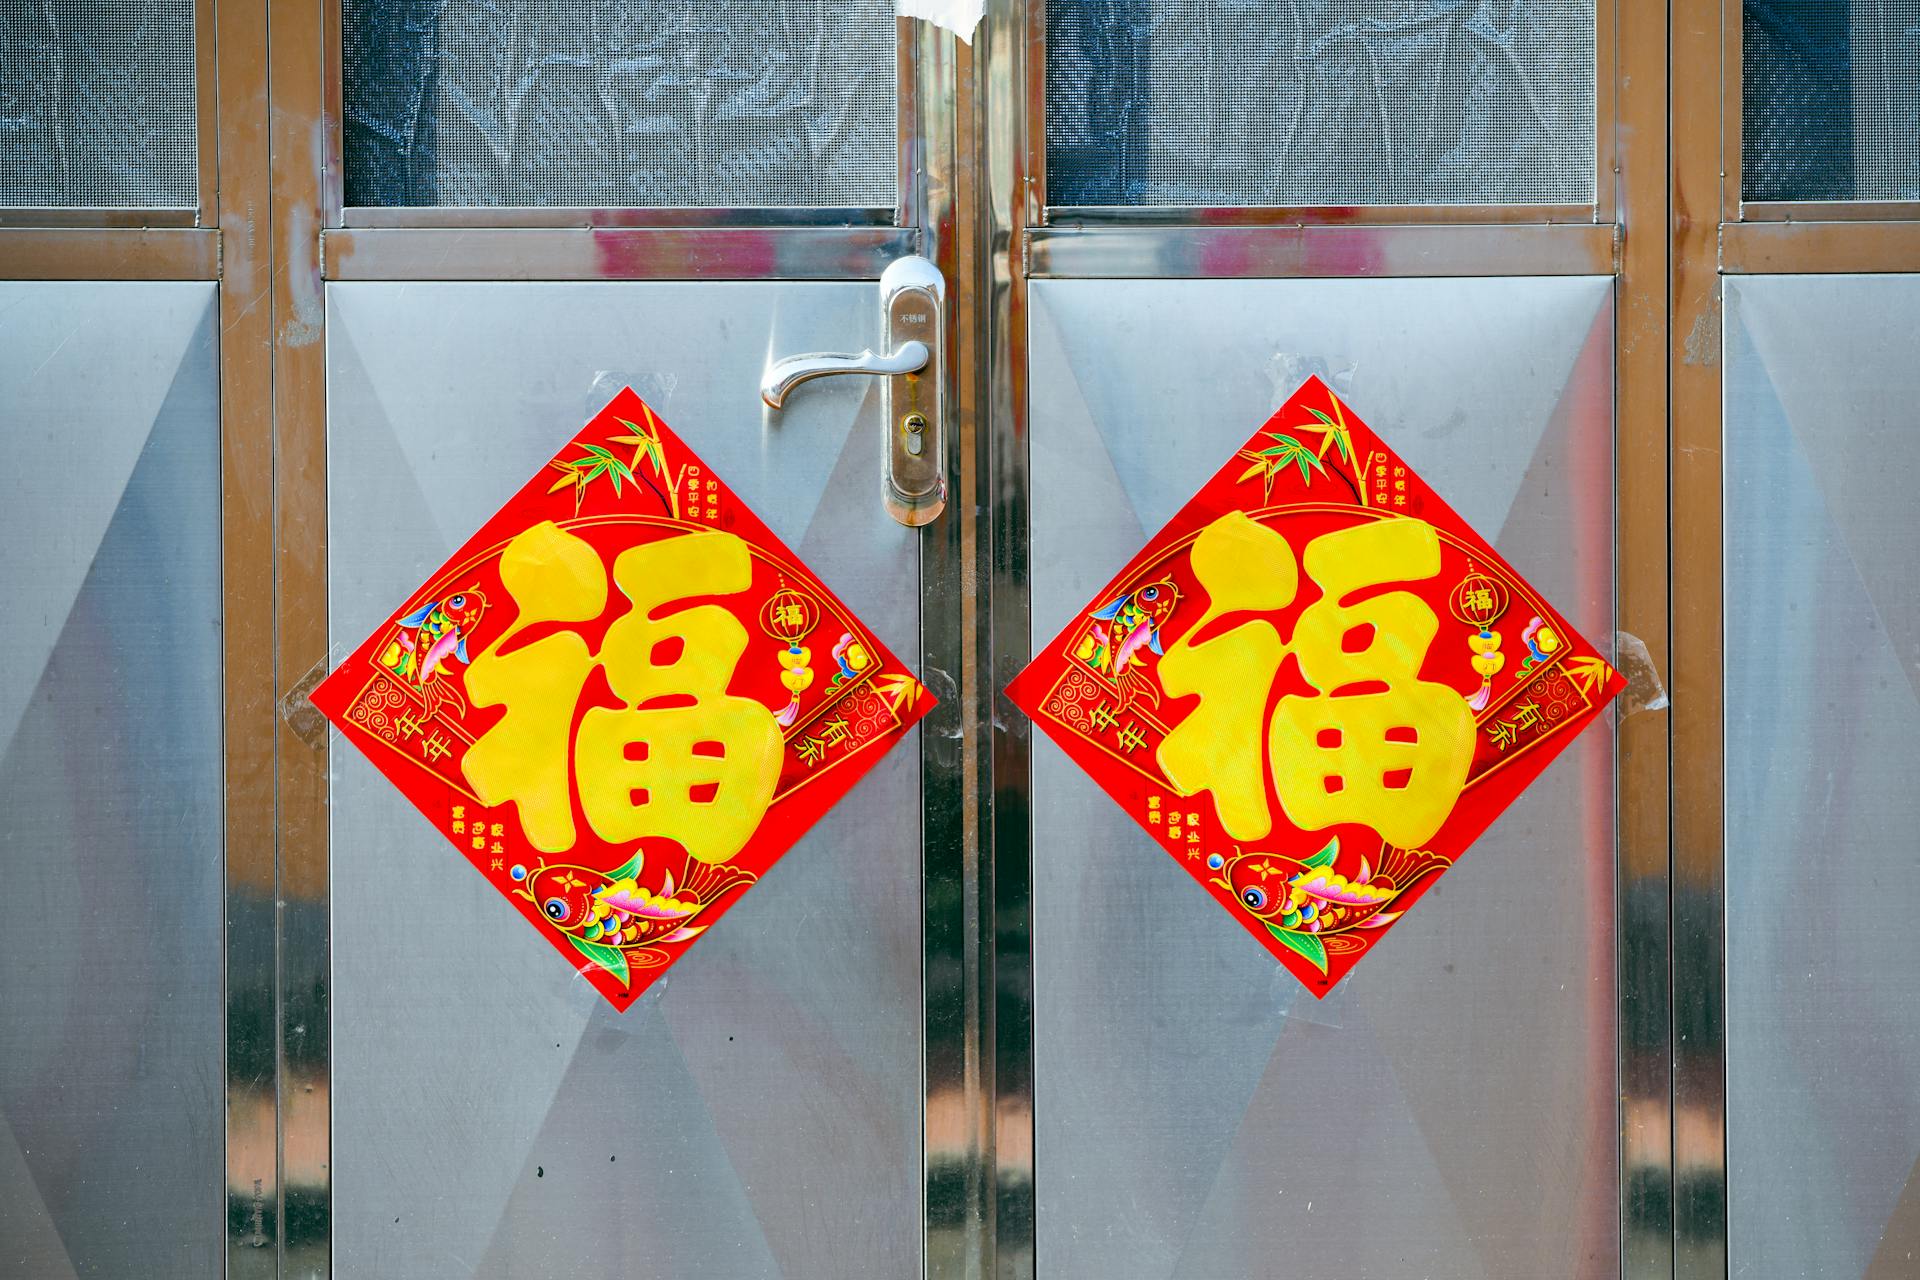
1822	731
1449	1110
111	1061
758	1112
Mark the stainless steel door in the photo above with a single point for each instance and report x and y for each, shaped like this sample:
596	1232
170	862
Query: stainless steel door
110	779
1177	1070
286	307
523	212
1487	1097
758	1112
1821	807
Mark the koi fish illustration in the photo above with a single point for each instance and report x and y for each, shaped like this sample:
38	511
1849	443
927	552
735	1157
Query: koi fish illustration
1125	630
1302	899
614	920
429	638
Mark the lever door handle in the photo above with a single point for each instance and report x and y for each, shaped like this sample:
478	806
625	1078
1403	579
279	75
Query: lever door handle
783	376
913	297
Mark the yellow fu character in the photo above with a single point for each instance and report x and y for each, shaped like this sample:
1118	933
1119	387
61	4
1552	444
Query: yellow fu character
682	759
1374	744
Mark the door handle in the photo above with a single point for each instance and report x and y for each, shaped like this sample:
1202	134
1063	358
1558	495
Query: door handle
784	375
913	297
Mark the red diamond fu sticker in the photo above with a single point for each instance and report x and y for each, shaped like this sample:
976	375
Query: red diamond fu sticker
623	699
1316	686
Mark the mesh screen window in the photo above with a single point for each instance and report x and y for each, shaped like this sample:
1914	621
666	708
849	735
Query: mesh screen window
1830	100
621	103
1320	102
98	108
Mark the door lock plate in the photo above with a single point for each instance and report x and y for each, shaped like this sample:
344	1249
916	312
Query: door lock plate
913	300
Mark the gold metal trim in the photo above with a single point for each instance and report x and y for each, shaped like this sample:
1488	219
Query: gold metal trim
1705	90
237	76
206	55
473	217
1321	251
298	71
487	253
1821	211
181	253
1379	215
1726	77
1642	945
1009	115
1762	248
100	218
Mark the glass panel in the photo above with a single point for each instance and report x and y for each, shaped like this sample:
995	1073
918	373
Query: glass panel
1822	678
1322	102
111	1060
1449	1110
98	107
1830	100
621	103
757	1113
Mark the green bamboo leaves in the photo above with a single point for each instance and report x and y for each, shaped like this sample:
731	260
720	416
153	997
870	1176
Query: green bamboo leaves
1286	451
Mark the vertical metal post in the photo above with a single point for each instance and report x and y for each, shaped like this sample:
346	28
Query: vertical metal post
247	630
1700	85
300	132
937	179
1638	129
1008	202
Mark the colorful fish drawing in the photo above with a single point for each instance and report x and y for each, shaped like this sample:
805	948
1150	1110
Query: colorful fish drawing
429	638
614	920
1303	900
1124	630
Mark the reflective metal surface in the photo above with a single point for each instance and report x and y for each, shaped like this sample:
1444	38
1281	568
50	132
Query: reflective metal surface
1450	1110
579	253
1009	53
110	781
1704	155
759	1112
788	372
175	253
1767	248
1822	677
1219	252
913	412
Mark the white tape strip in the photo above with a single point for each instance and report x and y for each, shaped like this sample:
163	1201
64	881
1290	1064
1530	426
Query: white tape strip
957	16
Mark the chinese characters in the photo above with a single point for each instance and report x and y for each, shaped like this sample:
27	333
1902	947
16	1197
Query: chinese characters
682	758
1374	744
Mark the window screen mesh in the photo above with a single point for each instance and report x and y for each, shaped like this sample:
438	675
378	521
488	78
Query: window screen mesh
1320	102
97	104
1830	100
621	103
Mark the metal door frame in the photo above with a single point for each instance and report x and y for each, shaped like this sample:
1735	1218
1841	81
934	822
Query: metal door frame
1713	232
271	230
315	239
223	240
1029	239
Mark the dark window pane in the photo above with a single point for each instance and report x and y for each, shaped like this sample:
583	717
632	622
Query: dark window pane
97	105
1830	100
620	103
1320	102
